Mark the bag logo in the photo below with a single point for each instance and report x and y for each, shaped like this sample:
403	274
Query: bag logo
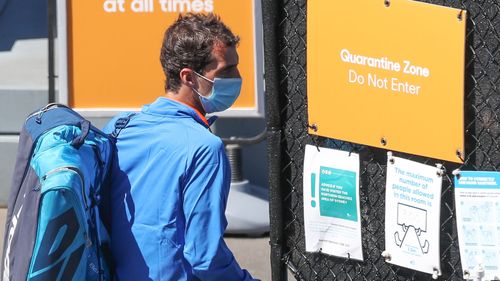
52	258
12	230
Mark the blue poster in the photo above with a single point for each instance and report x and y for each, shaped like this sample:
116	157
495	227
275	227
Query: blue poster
477	199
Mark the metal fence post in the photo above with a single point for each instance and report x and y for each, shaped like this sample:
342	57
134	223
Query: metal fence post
270	14
52	34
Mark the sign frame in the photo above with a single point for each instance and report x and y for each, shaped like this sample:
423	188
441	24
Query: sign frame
63	70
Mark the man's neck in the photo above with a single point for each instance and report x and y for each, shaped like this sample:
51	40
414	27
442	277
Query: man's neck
186	97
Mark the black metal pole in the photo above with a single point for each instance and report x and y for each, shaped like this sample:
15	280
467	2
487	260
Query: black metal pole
271	17
52	30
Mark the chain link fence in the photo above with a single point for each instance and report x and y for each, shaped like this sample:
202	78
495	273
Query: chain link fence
286	110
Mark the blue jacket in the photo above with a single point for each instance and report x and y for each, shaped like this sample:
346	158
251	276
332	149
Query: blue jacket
170	185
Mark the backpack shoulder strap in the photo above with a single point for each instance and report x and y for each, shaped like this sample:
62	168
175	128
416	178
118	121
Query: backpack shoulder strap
121	123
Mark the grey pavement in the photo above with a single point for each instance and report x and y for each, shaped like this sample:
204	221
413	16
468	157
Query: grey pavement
252	254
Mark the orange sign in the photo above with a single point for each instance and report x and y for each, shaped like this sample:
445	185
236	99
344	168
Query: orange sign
114	49
388	74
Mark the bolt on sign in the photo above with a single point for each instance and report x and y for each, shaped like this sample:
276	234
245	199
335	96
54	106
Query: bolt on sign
113	49
388	74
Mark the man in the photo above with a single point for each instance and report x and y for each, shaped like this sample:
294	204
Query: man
171	177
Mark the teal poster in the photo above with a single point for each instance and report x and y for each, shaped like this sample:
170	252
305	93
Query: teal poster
331	202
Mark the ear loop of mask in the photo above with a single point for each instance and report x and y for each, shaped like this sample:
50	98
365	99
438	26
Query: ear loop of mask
211	81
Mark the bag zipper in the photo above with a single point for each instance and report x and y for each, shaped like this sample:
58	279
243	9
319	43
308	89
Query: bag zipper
73	170
41	111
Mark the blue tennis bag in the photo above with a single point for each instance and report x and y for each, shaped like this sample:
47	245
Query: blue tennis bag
56	227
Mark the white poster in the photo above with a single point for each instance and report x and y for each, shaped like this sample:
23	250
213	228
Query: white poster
331	202
412	212
477	200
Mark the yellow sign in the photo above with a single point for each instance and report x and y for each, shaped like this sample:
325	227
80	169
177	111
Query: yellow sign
387	74
114	49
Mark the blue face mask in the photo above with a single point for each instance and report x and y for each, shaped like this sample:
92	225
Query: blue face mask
224	92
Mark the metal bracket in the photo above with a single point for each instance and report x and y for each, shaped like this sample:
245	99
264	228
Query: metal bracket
247	141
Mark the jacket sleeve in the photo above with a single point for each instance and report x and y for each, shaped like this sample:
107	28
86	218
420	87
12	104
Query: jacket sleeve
206	189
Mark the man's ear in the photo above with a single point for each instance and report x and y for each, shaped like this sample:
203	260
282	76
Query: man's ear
187	77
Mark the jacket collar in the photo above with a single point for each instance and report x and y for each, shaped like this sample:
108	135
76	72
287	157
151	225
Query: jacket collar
170	107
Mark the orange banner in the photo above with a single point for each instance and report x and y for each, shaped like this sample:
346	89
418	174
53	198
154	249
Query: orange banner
114	48
387	74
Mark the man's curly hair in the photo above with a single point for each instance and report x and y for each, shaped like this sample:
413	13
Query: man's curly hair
188	43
